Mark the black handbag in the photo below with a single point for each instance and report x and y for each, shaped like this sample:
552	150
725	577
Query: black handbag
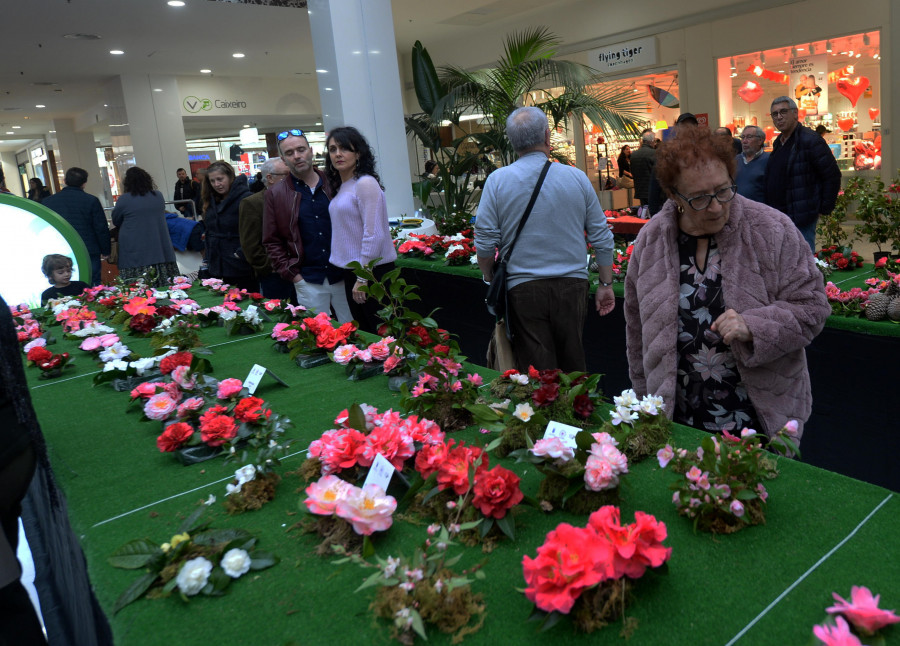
495	300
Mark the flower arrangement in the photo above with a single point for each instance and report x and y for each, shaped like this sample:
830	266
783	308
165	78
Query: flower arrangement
579	476
640	425
721	487
317	335
529	401
863	613
847	303
364	362
415	247
441	392
621	258
423	590
588	572
51	365
248	321
196	560
840	258
460	252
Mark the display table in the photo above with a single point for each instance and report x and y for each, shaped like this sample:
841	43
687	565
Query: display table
852	366
765	585
627	225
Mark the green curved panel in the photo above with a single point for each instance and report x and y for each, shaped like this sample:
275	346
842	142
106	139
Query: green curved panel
29	232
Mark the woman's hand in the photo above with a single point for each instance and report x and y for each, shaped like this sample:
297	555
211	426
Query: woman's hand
358	295
732	327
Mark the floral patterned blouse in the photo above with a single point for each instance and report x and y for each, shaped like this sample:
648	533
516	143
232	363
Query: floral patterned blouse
709	394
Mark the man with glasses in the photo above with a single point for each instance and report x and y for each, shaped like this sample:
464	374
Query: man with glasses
750	176
297	230
802	178
251	226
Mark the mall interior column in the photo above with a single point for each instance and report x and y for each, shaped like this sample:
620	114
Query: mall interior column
77	148
154	124
359	85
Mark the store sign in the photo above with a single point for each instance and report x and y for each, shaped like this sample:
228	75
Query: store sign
195	104
626	55
38	155
809	84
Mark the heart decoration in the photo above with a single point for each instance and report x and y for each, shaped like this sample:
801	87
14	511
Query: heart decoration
852	89
845	123
750	91
770	132
873	113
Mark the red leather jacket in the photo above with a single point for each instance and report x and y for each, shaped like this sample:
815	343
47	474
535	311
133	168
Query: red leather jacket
281	231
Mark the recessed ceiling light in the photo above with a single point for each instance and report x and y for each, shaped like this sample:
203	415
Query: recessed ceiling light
52	132
175	3
246	125
237	55
9	132
206	71
40	105
16	127
328	89
106	105
156	89
116	52
318	123
322	71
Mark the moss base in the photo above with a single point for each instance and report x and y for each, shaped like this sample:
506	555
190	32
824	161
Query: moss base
254	494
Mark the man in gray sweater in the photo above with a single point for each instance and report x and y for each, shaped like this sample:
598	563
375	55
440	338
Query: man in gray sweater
547	277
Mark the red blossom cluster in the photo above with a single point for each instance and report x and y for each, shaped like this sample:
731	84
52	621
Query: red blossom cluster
45	360
74	318
574	559
840	259
172	361
327	336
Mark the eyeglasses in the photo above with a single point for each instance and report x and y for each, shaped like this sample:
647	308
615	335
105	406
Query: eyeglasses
701	202
290	133
749	136
781	113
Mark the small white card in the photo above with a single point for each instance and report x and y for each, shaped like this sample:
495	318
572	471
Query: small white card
564	432
380	472
257	372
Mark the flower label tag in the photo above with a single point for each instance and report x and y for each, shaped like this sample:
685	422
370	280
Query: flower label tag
380	472
257	372
564	432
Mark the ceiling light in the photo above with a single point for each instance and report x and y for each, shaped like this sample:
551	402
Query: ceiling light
858	55
237	55
175	3
246	125
328	89
322	71
318	123
52	132
116	52
40	105
106	105
850	53
10	132
156	89
733	74
204	71
781	71
16	128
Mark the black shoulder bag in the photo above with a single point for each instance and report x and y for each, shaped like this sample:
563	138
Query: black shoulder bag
496	292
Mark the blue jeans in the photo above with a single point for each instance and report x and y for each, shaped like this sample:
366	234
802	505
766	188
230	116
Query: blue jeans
809	234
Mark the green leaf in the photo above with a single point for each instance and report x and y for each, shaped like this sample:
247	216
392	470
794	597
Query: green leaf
135	554
472	524
368	549
188	524
417	624
260	560
356	418
575	485
374	579
746	494
135	590
217	584
486	525
507	525
551	620
431	494
220	536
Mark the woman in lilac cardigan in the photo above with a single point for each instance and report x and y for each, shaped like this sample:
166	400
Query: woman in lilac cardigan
722	296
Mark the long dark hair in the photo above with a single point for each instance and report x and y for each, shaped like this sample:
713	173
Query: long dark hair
208	194
623	158
138	181
351	139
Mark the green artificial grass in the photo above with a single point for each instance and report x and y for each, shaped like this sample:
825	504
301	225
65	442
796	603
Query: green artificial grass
120	487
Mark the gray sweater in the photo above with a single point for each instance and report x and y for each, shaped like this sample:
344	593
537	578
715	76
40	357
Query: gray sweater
552	244
143	234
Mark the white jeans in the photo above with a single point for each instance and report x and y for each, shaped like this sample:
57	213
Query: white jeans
321	298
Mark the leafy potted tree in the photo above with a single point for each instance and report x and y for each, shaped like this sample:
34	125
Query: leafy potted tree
878	213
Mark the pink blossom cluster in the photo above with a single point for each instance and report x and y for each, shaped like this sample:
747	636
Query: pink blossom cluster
283	332
74	318
97	343
414	246
30	328
605	463
863	612
442	375
390	435
368	509
553	447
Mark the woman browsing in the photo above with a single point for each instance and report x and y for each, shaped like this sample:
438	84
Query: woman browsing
359	220
721	297
222	195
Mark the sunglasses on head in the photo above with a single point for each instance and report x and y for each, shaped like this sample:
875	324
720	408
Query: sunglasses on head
294	132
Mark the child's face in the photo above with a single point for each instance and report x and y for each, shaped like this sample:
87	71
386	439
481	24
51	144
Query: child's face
61	277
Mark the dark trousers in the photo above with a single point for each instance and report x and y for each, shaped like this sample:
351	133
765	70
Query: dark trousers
274	286
365	313
547	318
96	271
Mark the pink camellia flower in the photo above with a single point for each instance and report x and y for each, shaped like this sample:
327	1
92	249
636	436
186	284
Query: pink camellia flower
145	390
391	362
737	508
838	635
475	379
693	473
380	350
792	428
863	611
368	510
665	455
553	447
279	333
189	406
109	340
598	474
160	406
344	354
761	490
183	377
363	355
39	342
323	496
90	344
747	432
229	388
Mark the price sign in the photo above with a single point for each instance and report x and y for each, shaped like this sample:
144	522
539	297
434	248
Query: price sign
257	372
564	432
380	472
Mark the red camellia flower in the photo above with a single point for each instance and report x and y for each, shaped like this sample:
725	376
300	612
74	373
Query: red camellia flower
583	406
842	263
430	457
249	409
453	472
496	492
550	376
166	311
509	373
533	373
441	349
142	323
174	436
168	364
545	395
215	430
39	354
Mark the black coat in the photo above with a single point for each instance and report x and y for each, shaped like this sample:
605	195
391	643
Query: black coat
223	240
84	212
643	161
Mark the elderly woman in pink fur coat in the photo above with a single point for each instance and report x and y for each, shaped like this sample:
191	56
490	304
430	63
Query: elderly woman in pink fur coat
722	296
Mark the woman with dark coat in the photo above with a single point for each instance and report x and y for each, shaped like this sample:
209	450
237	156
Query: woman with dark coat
222	195
37	191
145	248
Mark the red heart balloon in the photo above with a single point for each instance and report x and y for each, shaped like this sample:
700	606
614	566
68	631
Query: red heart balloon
750	91
873	113
801	114
852	89
845	123
770	132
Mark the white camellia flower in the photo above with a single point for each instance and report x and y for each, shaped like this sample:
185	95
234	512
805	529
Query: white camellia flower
177	294
118	364
143	365
232	488
235	562
159	295
519	378
245	474
92	328
117	350
251	315
454	247
227	315
524	412
194	575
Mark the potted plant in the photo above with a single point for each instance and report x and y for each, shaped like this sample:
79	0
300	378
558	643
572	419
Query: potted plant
878	213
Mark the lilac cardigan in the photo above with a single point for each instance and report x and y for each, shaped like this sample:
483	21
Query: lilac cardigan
769	277
359	224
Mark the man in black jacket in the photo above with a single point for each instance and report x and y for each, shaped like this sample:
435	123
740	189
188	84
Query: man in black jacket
642	162
185	189
803	178
84	212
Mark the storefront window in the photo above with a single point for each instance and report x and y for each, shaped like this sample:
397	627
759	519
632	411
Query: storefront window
835	82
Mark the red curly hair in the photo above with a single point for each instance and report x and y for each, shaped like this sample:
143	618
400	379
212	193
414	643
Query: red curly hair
691	146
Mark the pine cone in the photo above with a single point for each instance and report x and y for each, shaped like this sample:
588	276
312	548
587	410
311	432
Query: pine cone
877	306
893	289
894	309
